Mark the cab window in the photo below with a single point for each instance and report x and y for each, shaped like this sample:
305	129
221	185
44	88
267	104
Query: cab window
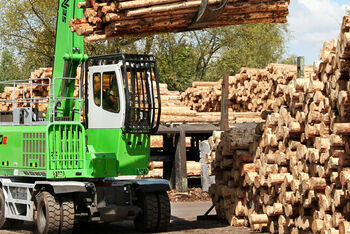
97	88
110	92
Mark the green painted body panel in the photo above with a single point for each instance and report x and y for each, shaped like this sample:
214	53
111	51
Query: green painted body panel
130	151
59	151
15	158
53	151
66	151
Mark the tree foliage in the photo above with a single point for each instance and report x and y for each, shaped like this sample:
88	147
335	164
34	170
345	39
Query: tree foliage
209	54
9	69
28	28
253	45
176	60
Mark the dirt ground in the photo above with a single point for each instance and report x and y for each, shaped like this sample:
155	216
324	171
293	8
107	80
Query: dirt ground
183	220
193	195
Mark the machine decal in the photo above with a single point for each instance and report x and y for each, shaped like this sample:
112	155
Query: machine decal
3	140
65	6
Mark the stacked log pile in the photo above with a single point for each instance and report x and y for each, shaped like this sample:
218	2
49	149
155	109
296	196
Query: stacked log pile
229	194
252	90
291	174
214	142
107	19
18	94
195	95
175	111
339	91
156	169
172	108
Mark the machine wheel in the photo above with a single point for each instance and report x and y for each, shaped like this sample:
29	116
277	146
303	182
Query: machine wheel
67	215
147	221
4	222
48	214
163	211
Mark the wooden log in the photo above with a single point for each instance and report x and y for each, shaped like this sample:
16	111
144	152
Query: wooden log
341	128
258	219
277	178
344	227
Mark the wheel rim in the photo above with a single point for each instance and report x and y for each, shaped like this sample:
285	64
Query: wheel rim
42	218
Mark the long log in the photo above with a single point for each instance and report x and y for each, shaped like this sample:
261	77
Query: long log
141	18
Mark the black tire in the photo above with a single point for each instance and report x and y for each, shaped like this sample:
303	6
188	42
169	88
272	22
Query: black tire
4	222
163	211
67	215
147	220
48	214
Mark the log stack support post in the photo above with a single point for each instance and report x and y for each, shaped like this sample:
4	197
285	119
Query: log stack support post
175	152
224	103
168	161
300	66
181	184
204	148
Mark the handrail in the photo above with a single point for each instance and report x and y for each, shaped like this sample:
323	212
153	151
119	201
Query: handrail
34	95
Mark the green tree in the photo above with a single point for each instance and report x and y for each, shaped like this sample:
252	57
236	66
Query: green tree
253	45
28	27
292	59
9	70
176	60
208	54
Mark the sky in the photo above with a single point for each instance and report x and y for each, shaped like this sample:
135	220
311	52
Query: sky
311	22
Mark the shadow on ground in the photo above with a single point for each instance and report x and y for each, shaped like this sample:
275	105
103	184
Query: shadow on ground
177	225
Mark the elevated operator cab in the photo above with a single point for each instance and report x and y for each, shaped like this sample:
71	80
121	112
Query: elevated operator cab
124	91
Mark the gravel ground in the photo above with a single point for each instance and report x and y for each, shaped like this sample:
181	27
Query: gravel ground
183	220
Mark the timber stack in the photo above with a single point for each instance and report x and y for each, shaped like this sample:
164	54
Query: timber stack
173	110
18	94
156	169
214	142
176	111
108	19
253	90
291	174
195	95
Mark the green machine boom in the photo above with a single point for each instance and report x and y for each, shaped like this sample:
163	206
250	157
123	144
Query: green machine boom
96	128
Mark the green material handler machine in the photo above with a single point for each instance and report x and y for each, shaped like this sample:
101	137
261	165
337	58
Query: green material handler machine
71	163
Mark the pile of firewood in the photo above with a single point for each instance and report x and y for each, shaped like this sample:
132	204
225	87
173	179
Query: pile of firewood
107	19
252	90
18	94
292	173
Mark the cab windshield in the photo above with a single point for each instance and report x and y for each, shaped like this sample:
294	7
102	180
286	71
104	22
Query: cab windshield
106	91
